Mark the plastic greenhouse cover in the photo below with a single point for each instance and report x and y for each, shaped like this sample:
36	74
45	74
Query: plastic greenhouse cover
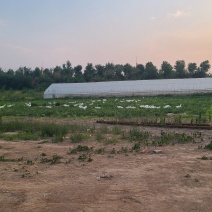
165	86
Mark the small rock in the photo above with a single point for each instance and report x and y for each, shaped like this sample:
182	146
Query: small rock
156	151
106	176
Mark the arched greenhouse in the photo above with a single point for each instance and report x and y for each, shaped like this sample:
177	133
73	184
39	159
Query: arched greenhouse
129	88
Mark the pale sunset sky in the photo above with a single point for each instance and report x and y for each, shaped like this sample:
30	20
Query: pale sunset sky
50	32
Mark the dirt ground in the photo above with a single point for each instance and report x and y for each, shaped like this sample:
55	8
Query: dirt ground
174	180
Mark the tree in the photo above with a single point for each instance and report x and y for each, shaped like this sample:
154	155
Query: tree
57	74
141	70
151	71
10	72
67	72
37	72
192	68
205	66
203	69
109	73
180	71
78	76
166	70
100	69
47	72
119	73
128	71
89	73
20	71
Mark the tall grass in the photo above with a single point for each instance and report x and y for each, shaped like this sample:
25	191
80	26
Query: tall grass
27	129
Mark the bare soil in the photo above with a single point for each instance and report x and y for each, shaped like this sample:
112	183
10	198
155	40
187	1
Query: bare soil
174	180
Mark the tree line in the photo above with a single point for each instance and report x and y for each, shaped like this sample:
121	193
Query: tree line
26	78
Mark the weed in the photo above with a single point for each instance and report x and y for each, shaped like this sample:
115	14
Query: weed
116	130
28	136
29	162
124	135
183	138
45	160
111	141
197	135
204	158
78	137
79	148
136	147
57	138
123	150
3	159
43	154
209	146
55	159
136	135
68	161
188	175
100	151
104	129
113	151
82	157
90	159
99	136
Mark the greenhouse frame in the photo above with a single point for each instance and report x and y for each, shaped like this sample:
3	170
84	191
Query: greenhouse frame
129	88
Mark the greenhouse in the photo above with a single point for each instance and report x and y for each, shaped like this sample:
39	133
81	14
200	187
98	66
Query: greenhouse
129	88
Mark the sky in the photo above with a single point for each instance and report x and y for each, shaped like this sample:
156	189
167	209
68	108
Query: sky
36	33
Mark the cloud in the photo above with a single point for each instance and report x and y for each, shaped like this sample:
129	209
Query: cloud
178	14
